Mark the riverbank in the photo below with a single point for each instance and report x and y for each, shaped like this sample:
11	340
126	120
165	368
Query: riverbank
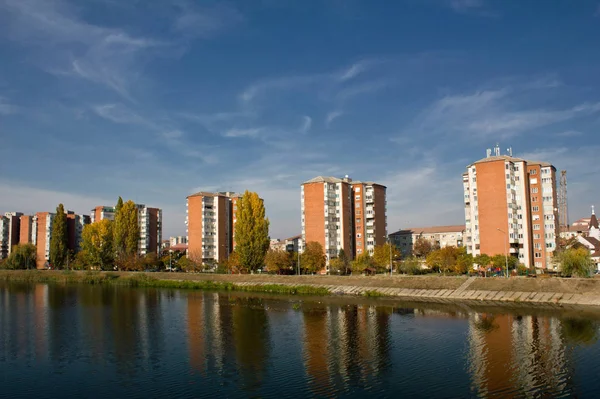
556	292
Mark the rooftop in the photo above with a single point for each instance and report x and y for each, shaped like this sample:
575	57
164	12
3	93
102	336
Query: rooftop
495	158
324	179
431	230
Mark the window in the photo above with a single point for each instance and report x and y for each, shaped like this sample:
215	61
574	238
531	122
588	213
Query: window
535	209
359	243
533	172
536	236
534	190
537	245
357	197
357	189
358	235
534	199
358	220
536	226
533	181
358	212
538	255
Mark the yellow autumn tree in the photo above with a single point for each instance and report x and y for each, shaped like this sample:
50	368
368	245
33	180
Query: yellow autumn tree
251	231
97	244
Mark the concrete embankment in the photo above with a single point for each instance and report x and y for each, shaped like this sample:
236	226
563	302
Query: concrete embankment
554	292
558	292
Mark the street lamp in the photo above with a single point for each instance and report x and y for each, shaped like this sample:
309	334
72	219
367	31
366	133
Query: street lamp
505	250
391	262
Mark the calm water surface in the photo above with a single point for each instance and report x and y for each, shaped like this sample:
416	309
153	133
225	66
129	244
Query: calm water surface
90	341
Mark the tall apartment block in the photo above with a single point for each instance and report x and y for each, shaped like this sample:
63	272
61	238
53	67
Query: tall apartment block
511	205
41	233
210	221
149	223
341	214
10	224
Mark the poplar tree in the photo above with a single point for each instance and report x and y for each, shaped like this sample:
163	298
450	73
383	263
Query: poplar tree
132	230
58	241
119	229
251	231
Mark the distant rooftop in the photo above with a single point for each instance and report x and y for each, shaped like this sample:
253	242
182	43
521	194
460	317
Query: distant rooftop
432	229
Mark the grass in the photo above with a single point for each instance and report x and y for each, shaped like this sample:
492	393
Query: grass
373	293
144	280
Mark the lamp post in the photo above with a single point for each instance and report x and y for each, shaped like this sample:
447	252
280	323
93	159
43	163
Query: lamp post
391	261
505	250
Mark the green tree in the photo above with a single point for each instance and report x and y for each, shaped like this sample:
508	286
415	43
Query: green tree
340	265
313	258
410	265
483	260
450	259
576	262
464	261
381	256
59	242
499	262
97	244
277	261
362	262
119	229
22	256
251	231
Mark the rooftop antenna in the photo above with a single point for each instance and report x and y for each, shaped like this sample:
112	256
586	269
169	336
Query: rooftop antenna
509	150
488	152
497	150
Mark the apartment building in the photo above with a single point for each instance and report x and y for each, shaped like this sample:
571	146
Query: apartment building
342	214
177	240
440	236
370	223
511	206
10	224
25	228
149	223
210	222
41	233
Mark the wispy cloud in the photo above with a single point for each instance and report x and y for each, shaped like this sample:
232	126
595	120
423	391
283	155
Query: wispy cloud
118	113
353	71
569	133
331	116
196	21
235	132
306	124
474	7
6	108
491	113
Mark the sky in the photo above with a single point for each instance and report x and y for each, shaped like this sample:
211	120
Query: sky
154	100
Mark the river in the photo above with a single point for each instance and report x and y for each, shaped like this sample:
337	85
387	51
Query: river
106	341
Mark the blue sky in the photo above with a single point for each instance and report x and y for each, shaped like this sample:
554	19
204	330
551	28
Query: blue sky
154	100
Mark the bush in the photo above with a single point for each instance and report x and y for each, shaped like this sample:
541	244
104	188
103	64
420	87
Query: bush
576	262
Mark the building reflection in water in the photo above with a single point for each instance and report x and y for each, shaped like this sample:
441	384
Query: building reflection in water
510	354
345	346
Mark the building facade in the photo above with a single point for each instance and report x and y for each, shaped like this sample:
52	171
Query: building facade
342	214
210	225
10	224
149	223
511	207
440	236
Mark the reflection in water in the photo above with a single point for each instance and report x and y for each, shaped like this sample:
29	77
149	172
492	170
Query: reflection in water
138	341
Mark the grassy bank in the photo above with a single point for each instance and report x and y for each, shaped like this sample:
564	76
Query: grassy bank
145	280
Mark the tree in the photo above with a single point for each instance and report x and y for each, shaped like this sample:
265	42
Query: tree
410	265
450	259
499	262
251	231
232	263
362	262
381	256
483	260
422	247
97	244
576	262
22	256
132	229
277	261
119	230
340	265
58	242
313	258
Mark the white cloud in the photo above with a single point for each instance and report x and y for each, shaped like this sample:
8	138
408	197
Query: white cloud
331	116
306	124
118	113
353	71
491	114
234	132
195	21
